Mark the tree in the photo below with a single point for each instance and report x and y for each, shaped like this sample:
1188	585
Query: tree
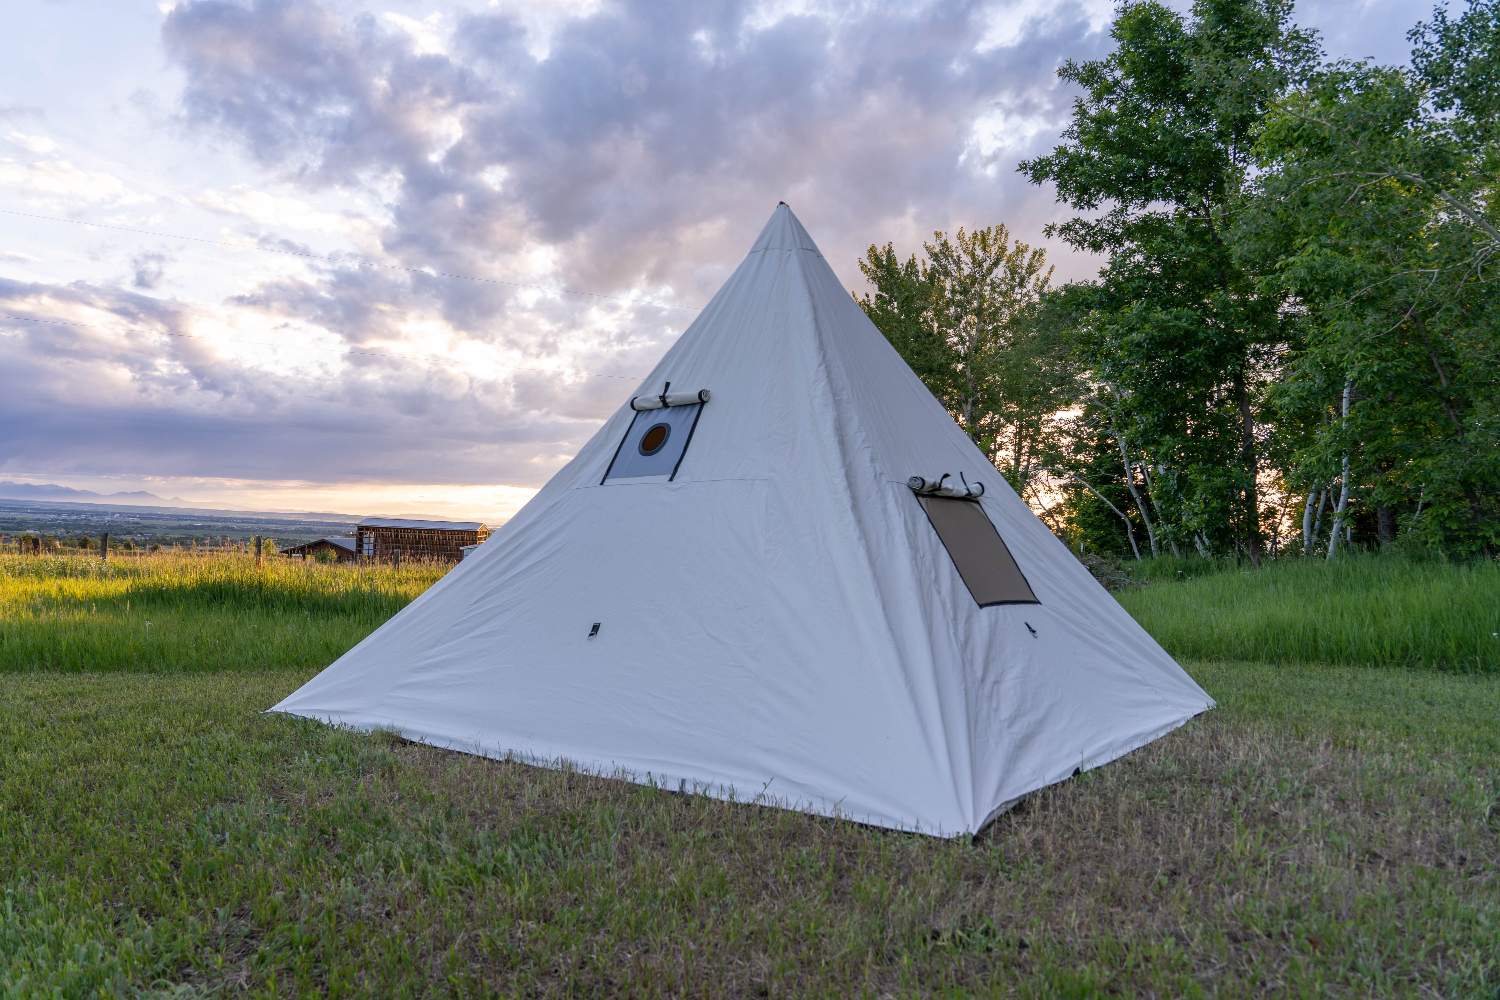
969	318
1157	157
1378	215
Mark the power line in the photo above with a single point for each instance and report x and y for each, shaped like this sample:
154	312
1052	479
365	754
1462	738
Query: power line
16	317
341	259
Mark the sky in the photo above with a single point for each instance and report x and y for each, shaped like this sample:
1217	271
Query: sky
404	258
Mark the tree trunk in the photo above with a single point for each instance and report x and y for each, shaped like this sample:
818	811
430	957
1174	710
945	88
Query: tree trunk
1251	466
1135	494
1129	528
1338	511
1385	524
1307	521
1017	448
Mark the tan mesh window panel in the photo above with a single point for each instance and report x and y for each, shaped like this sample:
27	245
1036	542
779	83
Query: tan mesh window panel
978	552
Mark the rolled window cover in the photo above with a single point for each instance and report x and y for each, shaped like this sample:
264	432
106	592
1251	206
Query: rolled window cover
672	399
945	487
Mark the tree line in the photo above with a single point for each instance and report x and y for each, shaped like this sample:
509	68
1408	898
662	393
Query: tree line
1293	342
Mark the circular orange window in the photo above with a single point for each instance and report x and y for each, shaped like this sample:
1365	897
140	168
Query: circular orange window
655	438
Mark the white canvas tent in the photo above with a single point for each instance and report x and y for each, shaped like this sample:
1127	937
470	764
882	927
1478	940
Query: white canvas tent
756	603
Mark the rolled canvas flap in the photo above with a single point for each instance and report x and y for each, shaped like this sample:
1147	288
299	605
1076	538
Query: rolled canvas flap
671	399
945	487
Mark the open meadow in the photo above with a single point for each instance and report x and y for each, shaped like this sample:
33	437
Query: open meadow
1332	828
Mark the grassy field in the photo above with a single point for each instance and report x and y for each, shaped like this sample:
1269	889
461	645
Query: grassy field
1328	830
1361	610
189	613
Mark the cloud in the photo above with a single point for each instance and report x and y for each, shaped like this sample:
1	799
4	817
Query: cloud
650	140
106	381
325	98
148	268
474	173
53	182
513	157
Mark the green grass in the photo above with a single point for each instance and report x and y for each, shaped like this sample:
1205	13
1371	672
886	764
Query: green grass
1328	830
1359	610
181	612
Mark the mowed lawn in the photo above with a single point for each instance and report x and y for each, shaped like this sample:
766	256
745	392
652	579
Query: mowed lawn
1329	829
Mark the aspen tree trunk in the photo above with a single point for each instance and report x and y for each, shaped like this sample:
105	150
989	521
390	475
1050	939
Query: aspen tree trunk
1135	494
1338	511
1307	522
1129	529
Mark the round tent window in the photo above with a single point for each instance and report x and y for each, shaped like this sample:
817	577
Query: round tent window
655	438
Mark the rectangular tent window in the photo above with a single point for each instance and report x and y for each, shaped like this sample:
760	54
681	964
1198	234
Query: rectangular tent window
978	552
654	444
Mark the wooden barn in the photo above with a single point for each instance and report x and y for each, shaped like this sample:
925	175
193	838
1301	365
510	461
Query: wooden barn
340	548
398	538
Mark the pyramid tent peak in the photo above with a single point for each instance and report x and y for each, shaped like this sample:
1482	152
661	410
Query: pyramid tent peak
783	231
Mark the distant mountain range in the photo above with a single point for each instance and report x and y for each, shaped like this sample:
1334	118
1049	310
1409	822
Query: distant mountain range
53	491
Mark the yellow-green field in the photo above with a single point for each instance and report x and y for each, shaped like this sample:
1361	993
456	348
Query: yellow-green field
180	612
1330	829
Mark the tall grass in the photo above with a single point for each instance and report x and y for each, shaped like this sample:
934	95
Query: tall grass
184	612
1362	610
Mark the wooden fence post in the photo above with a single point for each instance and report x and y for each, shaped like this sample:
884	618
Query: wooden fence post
104	546
257	550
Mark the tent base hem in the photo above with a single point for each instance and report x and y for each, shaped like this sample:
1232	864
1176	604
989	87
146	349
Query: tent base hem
725	791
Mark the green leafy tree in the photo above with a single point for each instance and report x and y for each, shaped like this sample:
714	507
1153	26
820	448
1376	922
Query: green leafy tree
969	317
1157	158
1378	213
